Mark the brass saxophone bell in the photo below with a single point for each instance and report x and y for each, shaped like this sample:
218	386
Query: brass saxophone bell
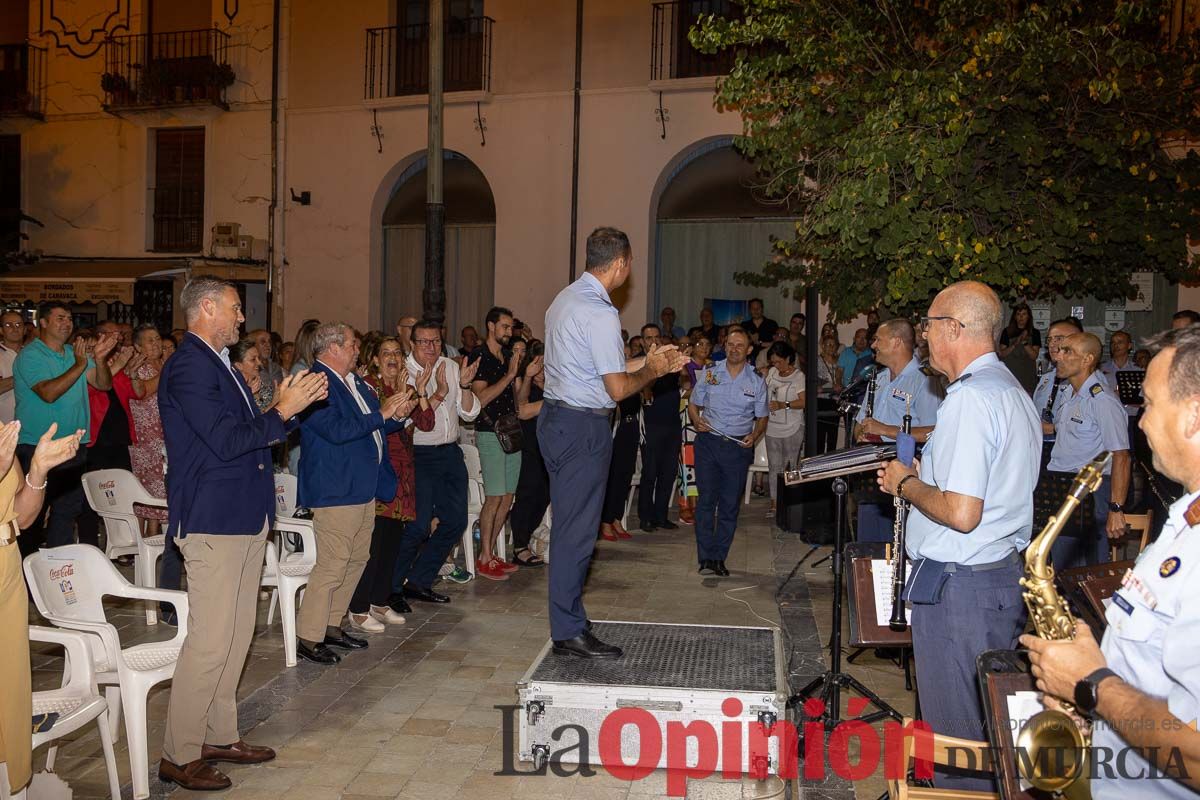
1054	754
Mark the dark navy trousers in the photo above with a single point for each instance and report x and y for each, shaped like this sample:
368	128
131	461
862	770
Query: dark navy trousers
876	521
441	488
721	468
979	610
577	447
1078	551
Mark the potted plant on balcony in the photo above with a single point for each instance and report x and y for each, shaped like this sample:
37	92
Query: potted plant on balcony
116	87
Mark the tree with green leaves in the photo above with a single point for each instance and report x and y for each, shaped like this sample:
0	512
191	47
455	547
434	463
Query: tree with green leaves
1041	148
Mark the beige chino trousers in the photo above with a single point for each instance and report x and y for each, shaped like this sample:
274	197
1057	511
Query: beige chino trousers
343	547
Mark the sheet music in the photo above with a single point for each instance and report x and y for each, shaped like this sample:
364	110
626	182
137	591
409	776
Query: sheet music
1021	707
881	578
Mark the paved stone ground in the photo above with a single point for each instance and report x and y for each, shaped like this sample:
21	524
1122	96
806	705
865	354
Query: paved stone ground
413	716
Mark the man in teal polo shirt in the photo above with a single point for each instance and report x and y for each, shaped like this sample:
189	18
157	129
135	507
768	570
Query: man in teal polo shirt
50	383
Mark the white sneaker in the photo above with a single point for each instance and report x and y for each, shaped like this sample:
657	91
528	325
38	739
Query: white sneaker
365	623
387	614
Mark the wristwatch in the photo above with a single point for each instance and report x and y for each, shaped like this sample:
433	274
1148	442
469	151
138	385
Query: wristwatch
1115	507
1087	691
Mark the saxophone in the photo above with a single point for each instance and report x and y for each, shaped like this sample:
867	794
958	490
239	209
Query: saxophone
1056	750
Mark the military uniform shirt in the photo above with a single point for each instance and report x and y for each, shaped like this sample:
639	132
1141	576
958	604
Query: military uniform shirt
730	404
1041	397
1089	422
1110	369
583	344
913	389
986	443
1153	644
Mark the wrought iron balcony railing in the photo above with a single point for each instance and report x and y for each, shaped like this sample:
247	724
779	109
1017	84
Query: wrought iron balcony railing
398	58
166	69
672	55
22	80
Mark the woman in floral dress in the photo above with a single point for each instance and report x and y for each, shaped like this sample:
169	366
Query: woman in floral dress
369	608
148	455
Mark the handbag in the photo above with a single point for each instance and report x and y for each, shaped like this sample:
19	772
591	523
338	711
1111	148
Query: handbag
508	432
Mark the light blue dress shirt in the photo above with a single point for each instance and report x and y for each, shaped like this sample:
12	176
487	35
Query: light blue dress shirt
986	443
583	344
911	389
1153	643
730	404
1110	370
1090	421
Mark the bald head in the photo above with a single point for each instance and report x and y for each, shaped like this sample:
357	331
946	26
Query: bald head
976	306
1087	344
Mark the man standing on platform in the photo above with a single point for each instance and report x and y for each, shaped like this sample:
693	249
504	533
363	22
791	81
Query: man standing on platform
972	514
729	409
221	495
586	374
901	388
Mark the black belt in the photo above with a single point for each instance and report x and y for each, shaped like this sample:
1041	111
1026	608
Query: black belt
1009	560
600	412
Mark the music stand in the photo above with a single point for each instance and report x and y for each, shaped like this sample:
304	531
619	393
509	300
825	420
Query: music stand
865	631
1129	387
827	688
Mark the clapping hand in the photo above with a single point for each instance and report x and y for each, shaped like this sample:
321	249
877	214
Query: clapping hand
514	364
422	380
135	363
297	392
468	373
120	358
51	452
255	383
105	344
664	359
81	350
535	367
8	444
440	377
393	404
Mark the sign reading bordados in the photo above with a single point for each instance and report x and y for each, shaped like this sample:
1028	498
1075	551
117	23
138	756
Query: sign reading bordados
67	291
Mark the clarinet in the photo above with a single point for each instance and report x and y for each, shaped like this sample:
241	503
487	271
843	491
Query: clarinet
897	622
869	403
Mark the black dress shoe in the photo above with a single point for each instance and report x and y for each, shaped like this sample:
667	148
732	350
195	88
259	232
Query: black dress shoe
424	595
318	654
345	642
708	567
585	645
719	568
398	604
648	527
667	525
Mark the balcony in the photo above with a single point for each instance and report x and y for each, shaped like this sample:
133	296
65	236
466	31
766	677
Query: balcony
22	80
672	55
398	59
152	70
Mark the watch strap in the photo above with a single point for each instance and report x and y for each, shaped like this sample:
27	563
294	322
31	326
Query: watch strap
1092	681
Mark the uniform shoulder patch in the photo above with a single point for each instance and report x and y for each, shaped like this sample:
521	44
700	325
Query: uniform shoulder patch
1096	389
1169	567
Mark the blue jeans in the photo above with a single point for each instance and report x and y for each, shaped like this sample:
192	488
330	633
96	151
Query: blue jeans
721	468
577	448
441	485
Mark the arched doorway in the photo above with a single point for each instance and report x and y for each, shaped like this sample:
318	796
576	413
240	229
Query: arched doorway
711	222
470	245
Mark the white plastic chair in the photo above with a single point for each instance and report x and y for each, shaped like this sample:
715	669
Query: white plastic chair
77	702
474	504
634	483
759	465
68	584
286	569
111	493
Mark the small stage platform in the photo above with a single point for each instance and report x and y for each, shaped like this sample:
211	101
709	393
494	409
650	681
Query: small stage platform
730	680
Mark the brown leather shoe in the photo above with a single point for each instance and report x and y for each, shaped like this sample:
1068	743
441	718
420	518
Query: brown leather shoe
196	776
237	753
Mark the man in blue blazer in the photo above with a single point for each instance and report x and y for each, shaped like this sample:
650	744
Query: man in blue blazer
344	469
221	495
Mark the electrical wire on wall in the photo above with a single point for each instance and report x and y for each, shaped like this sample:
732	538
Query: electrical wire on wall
481	125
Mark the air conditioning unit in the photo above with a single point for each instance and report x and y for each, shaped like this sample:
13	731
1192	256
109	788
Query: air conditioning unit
245	245
225	234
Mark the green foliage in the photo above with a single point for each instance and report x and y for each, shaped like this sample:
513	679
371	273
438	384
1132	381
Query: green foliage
1035	147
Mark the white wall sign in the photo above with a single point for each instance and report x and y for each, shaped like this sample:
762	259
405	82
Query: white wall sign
1041	315
1114	319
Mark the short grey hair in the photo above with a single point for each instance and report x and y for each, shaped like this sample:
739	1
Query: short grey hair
977	306
199	289
326	334
1183	378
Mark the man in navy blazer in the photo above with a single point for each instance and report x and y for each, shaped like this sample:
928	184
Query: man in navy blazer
221	496
344	469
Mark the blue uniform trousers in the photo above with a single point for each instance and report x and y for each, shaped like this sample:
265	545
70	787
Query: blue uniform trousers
441	488
1092	548
979	610
721	467
577	447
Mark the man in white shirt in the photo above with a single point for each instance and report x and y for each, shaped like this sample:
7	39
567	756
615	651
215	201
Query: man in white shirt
12	337
441	473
